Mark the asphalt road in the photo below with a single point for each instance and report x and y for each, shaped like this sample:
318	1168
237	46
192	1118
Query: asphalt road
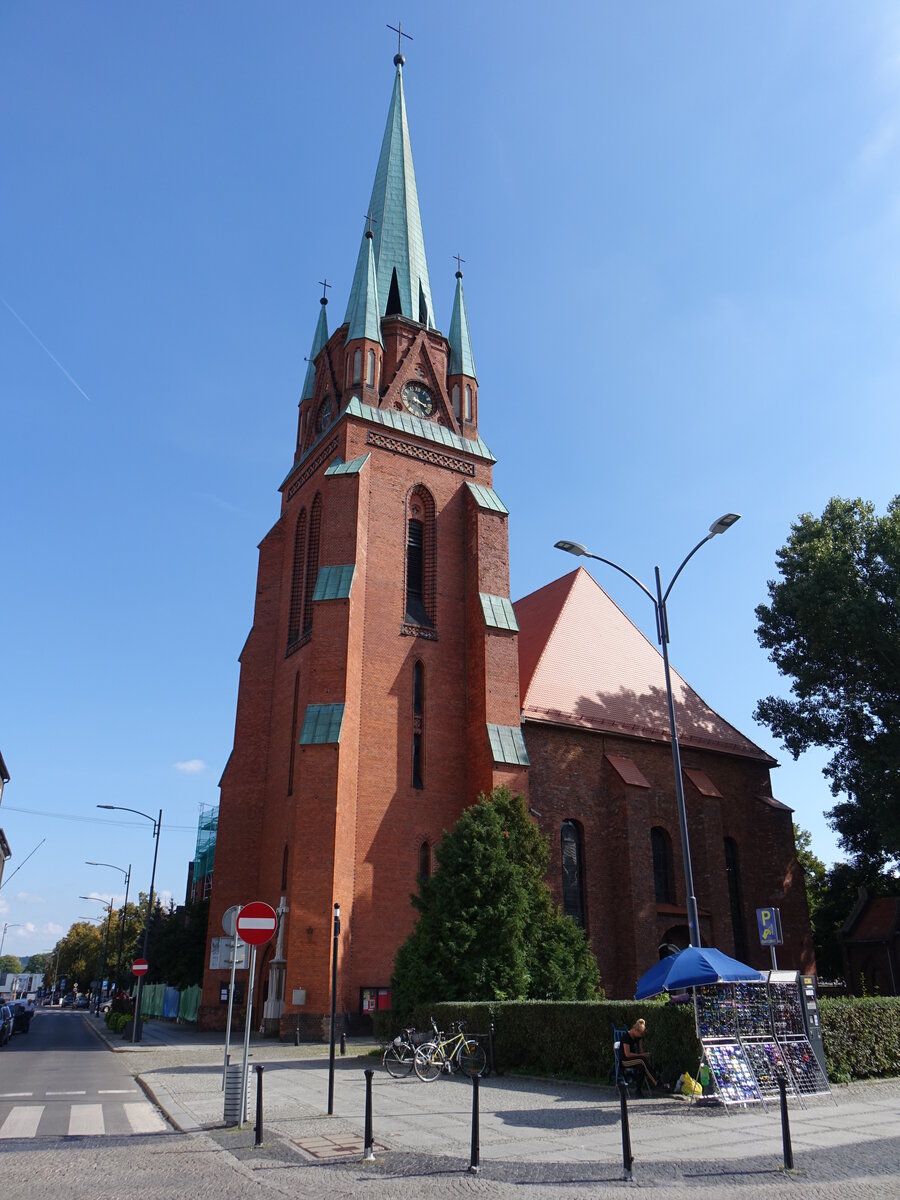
59	1080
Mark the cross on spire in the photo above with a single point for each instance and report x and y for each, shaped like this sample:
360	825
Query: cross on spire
369	219
399	60
459	262
325	286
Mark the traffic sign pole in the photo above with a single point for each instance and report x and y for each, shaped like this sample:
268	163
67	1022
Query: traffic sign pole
246	1057
234	913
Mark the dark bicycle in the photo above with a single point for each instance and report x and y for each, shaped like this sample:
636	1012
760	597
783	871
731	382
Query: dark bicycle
399	1058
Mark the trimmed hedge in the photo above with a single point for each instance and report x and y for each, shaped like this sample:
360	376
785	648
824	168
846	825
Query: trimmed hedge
862	1037
574	1040
567	1039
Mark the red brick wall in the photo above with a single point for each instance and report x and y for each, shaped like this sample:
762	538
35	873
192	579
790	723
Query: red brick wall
571	779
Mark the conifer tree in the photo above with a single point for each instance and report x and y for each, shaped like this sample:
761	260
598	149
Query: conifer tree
488	927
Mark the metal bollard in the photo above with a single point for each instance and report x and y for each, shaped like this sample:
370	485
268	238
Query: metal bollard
297	1031
475	1156
785	1125
491	1065
343	1042
369	1149
627	1156
259	1068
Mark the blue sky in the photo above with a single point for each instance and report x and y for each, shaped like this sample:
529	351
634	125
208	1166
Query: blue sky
681	229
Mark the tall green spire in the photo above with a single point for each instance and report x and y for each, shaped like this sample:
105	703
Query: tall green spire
363	316
461	360
319	340
399	246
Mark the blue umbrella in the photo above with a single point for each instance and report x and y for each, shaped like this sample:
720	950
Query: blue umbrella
694	967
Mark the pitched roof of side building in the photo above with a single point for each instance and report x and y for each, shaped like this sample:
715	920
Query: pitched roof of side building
583	663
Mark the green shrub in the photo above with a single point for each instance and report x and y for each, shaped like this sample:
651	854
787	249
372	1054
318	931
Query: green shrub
568	1039
862	1037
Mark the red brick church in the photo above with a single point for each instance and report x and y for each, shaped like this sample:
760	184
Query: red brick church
388	679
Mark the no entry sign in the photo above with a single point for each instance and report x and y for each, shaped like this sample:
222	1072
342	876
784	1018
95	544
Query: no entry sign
256	923
139	967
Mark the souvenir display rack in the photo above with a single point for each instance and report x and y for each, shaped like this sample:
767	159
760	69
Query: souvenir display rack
789	1028
753	1032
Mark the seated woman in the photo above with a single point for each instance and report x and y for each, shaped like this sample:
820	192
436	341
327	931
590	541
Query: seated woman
635	1057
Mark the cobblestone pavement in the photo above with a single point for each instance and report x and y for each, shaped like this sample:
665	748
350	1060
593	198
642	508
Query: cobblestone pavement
538	1138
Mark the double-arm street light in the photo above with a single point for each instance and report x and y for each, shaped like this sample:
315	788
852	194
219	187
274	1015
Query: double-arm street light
157	826
127	874
109	906
658	601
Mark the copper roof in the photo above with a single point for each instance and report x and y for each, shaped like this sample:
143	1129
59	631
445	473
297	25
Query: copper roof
582	662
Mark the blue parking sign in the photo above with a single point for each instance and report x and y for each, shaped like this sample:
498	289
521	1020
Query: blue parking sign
769	922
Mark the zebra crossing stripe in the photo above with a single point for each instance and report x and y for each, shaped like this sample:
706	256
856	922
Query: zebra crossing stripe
22	1122
144	1119
86	1119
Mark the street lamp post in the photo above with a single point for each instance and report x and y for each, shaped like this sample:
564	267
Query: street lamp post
658	601
105	946
8	925
157	826
127	874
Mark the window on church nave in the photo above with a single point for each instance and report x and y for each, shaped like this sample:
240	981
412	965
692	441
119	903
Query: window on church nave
661	845
425	862
572	872
733	874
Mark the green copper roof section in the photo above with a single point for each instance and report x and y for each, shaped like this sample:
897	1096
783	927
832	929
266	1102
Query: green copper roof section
353	467
321	724
508	745
498	612
321	337
486	497
461	360
333	583
394	206
363	316
429	430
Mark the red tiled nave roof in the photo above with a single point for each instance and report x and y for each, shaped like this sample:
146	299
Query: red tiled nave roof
582	662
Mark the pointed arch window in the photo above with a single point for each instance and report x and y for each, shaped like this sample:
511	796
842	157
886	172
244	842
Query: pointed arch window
455	396
572	871
425	862
468	402
733	875
357	365
296	609
420	557
661	847
418	731
370	368
312	561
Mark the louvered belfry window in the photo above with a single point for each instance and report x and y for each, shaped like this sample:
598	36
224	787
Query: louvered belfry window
420	558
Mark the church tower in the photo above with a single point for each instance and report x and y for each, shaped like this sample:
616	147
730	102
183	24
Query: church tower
379	684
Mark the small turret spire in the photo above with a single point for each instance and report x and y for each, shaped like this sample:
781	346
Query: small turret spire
363	317
319	340
461	360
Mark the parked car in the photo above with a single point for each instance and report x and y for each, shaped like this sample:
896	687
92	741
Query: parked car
68	1001
82	1002
6	1024
22	1012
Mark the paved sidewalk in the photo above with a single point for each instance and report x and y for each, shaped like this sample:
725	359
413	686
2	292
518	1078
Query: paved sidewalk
558	1138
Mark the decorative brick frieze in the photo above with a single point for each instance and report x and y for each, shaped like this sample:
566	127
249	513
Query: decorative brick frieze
434	457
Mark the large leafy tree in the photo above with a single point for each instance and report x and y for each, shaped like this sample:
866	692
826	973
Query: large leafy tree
488	928
10	965
832	625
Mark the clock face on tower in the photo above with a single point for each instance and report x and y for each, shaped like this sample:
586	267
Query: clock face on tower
418	399
323	418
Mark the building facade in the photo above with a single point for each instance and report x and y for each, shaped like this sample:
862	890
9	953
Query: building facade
380	683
